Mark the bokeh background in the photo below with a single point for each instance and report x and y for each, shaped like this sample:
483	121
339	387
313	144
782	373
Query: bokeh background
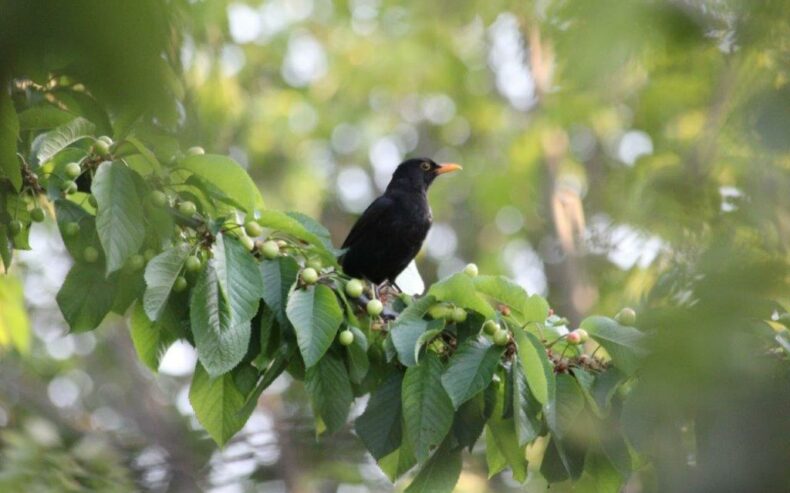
618	152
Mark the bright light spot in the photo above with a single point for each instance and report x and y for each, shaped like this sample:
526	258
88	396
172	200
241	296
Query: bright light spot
245	23
63	392
441	241
449	266
385	155
84	343
408	137
179	360
438	108
509	220
507	58
61	348
633	145
354	189
303	118
182	402
525	266
729	198
232	60
346	138
305	61
106	419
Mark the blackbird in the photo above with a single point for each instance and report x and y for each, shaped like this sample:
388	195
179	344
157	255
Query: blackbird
390	232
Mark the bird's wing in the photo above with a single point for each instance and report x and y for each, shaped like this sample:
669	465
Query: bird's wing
368	220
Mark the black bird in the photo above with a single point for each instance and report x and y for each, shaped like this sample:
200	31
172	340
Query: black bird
390	232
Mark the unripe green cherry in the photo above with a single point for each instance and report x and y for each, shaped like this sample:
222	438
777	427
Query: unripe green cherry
253	228
37	214
573	338
501	337
68	187
626	316
583	334
471	270
315	264
73	170
107	140
374	308
354	288
282	243
193	263
15	226
90	254
180	284
71	229
195	151
459	314
490	327
309	276
101	148
187	208
346	337
270	249
136	262
158	198
248	242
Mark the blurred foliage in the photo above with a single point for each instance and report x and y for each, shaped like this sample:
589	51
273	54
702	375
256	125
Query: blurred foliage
615	152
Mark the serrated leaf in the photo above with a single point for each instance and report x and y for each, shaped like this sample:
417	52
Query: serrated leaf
119	217
427	409
45	146
626	345
151	339
278	276
9	134
470	369
217	403
408	327
238	276
315	316
459	289
284	223
357	356
86	296
398	462
469	421
501	433
536	365
524	308
227	175
379	427
160	276
526	408
330	391
440	474
315	228
221	342
568	402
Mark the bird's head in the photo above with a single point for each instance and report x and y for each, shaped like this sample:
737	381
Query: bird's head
419	173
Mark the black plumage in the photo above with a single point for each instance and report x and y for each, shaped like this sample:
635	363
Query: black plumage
390	232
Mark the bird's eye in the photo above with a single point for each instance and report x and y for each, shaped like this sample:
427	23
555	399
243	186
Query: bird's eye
425	165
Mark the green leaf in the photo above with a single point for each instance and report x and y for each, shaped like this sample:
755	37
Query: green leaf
217	403
537	367
379	427
526	408
67	212
277	365
568	403
9	134
408	327
119	218
14	322
43	117
427	409
523	308
435	327
501	434
440	474
459	289
599	475
86	296
626	345
278	276
239	279
562	460
357	356
330	391
469	421
284	223
228	176
151	339
316	229
6	251
398	462
470	369
221	342
160	276
149	164
315	316
45	146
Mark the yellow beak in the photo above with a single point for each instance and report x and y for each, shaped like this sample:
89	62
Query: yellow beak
447	168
